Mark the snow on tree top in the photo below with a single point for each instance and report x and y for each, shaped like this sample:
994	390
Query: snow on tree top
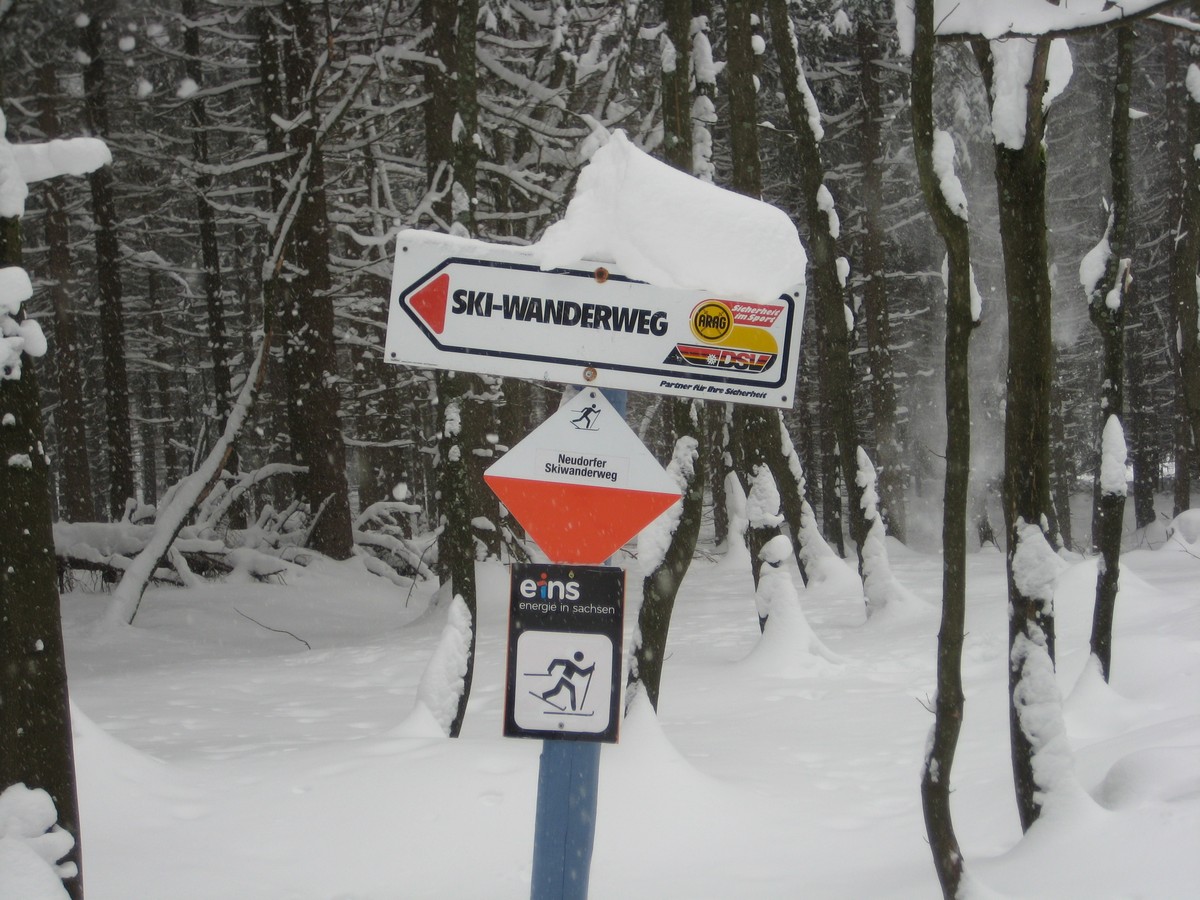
992	19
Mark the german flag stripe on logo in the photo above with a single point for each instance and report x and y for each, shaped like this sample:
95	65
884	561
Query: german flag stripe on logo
720	358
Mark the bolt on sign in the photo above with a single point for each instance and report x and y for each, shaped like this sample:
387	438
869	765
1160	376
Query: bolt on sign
477	307
582	483
565	625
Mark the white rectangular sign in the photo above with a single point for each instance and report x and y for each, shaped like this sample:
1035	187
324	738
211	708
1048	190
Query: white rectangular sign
475	307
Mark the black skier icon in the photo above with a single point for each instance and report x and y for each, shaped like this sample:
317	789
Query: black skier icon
585	416
571	676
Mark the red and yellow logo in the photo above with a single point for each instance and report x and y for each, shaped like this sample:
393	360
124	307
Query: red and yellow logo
711	321
732	335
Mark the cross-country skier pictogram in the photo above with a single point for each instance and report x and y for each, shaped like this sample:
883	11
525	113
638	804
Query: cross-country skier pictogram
571	676
585	416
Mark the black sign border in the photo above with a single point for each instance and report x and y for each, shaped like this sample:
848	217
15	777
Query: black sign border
687	373
546	621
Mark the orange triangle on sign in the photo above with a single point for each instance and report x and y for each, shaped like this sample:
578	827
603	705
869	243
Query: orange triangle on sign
430	302
578	523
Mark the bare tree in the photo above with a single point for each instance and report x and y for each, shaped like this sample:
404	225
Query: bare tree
951	224
1109	284
115	384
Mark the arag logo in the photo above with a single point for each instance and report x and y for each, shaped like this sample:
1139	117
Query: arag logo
711	321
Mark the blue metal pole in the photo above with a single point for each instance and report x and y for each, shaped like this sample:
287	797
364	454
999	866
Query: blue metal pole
565	829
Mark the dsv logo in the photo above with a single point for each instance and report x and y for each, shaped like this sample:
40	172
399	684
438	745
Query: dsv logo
544	589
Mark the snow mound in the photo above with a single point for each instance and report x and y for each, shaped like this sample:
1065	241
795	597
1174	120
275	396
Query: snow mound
789	648
1184	531
1151	775
645	747
421	723
1093	710
442	682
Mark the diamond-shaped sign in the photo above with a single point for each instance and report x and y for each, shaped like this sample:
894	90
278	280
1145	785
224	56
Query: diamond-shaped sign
582	483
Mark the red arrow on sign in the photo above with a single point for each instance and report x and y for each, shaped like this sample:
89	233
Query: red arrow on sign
430	303
582	483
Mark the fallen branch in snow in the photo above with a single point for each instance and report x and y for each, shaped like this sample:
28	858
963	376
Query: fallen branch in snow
191	491
269	628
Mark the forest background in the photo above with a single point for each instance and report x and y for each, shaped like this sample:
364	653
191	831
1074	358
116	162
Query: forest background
264	155
149	275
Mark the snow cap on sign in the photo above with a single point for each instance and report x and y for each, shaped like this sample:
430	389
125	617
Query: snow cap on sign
668	228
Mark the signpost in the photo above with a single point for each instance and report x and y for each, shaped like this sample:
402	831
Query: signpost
582	483
490	309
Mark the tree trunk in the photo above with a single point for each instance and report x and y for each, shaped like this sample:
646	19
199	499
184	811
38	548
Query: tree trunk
210	260
826	290
1021	188
661	586
310	355
450	122
458	401
948	708
1109	319
893	479
1184	263
743	106
717	446
36	746
115	385
1064	469
76	501
1141	418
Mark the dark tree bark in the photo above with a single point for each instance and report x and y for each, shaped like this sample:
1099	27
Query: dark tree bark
210	259
676	87
1021	187
753	427
1110	321
660	587
833	340
464	417
1063	476
743	106
892	477
456	485
310	355
1185	260
438	20
948	708
717	446
75	497
36	746
1141	417
115	386
173	465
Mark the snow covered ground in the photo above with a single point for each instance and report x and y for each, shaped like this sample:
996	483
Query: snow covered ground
219	759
